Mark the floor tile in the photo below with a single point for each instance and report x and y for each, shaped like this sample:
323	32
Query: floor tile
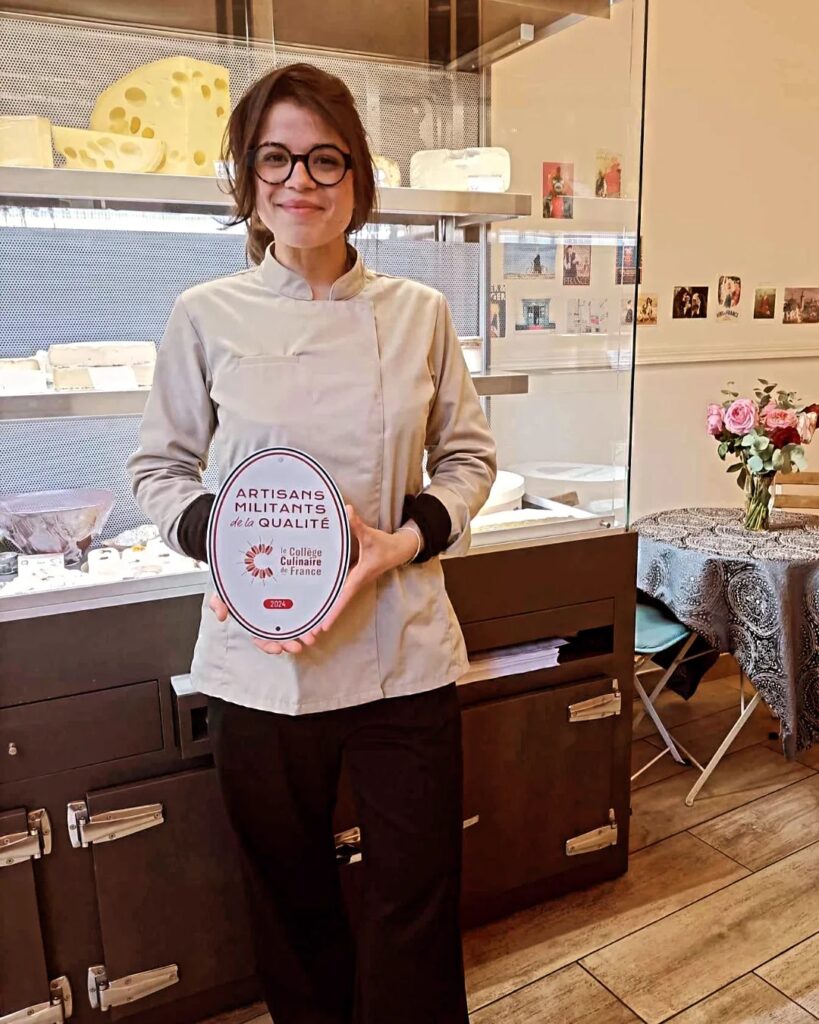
659	811
641	753
703	737
505	955
716	695
570	996
747	1001
768	829
668	966
810	757
796	973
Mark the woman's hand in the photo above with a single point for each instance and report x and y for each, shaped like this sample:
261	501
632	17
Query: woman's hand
375	551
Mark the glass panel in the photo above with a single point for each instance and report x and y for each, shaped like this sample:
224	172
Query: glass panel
564	281
546	301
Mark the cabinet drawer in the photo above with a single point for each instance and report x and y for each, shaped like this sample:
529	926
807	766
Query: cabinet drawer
71	732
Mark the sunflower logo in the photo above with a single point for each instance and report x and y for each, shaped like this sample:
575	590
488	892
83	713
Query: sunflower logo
257	561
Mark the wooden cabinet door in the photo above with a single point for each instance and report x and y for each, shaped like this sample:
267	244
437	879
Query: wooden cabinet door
23	974
536	780
172	894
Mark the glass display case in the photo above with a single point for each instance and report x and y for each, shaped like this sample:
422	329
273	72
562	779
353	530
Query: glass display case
509	180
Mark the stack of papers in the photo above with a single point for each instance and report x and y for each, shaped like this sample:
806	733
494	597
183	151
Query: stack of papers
512	661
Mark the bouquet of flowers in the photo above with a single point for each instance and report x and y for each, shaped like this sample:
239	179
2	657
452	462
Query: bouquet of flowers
767	433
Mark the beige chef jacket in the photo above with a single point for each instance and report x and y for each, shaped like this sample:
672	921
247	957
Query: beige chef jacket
363	382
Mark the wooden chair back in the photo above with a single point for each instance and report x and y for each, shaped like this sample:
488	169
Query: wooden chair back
807	500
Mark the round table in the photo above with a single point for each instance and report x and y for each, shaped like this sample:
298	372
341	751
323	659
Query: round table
755	595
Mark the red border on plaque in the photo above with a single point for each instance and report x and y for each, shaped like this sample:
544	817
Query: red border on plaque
344	561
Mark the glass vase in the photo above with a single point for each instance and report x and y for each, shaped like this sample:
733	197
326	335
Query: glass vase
758	500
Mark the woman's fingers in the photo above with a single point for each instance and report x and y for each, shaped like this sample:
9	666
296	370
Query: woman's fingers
218	607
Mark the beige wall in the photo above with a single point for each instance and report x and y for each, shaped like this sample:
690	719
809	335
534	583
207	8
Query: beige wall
729	188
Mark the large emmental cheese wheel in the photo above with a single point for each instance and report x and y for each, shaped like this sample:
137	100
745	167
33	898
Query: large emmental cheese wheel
102	151
181	101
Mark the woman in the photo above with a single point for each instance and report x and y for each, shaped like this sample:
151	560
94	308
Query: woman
364	372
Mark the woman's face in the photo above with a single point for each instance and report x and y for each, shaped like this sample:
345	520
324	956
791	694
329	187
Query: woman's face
300	213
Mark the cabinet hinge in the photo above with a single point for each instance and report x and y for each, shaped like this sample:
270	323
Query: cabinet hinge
103	828
604	706
104	994
30	845
58	1009
348	843
597	839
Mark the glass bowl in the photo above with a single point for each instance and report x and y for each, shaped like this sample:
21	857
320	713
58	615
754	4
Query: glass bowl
55	522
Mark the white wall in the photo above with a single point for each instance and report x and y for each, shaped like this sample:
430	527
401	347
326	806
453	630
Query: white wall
731	151
732	108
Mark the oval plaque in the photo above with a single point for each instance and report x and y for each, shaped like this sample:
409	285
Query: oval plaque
279	543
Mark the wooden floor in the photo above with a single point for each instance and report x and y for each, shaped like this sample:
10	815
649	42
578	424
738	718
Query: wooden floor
717	920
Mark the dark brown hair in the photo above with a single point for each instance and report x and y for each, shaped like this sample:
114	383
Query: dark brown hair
315	90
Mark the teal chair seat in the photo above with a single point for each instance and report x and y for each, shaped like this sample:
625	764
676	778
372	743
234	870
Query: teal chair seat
656	630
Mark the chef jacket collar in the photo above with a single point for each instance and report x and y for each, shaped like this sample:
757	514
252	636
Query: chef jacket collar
287	282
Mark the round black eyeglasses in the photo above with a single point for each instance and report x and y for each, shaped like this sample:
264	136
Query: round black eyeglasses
274	163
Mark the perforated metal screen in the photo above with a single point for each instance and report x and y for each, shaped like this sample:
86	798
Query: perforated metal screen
57	70
79	284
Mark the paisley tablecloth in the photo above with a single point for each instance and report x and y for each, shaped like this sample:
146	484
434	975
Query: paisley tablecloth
755	595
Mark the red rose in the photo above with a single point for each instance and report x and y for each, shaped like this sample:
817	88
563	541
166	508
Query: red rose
782	436
812	408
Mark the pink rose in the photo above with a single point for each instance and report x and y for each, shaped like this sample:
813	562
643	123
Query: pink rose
806	425
741	416
776	419
716	419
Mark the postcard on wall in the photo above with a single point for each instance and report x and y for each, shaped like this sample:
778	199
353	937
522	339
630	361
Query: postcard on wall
558	191
533	315
801	306
728	294
647	306
497	311
627	311
765	304
690	302
535	260
609	181
577	264
587	316
625	270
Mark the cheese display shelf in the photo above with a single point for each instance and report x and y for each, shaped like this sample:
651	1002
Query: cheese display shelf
61	404
189	194
95	258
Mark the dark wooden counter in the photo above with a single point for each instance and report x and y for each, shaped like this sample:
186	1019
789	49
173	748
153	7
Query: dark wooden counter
88	717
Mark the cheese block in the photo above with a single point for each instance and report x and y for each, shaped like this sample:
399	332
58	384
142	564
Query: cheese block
387	172
31	381
19	364
86	150
103	378
180	101
25	142
481	169
102	353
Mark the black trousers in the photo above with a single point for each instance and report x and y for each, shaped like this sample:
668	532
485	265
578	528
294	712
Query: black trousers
279	776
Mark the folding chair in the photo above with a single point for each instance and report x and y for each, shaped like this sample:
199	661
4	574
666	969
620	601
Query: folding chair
657	631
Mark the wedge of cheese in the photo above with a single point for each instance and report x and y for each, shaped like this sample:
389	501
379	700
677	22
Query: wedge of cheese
101	353
22	377
25	142
103	378
387	172
480	169
181	101
86	150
